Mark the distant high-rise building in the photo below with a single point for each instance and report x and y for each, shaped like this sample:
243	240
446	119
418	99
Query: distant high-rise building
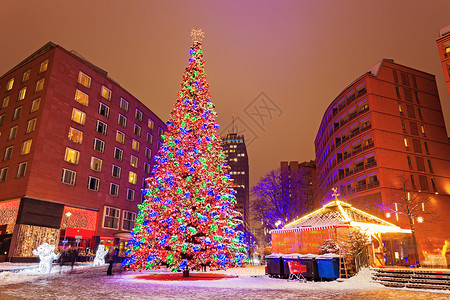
75	148
443	43
383	129
236	152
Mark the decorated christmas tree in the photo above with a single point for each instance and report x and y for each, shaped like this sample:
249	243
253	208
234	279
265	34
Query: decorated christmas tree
187	219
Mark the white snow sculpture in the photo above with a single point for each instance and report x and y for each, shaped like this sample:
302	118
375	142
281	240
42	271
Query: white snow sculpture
99	258
46	255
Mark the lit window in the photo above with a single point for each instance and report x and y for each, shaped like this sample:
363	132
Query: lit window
26	75
132	177
17	113
106	93
75	135
114	189
148	153
5	102
72	156
111	217
149	138
96	164
84	79
122	121
26	147
21	169
137	130
146	167
12	133
124	104
93	183
134	161
130	194
68	176
101	127
78	116
103	110
129	218
35	105
3	174
99	145
9	84
82	98
118	153
39	85
138	114
400	109
8	153
150	124
44	66
2	119
31	125
405	140
422	128
22	94
135	145
120	137
116	171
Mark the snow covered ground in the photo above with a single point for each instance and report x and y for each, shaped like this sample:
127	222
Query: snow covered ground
88	282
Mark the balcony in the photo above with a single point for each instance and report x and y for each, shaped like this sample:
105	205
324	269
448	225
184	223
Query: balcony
345	138
359	168
363	110
356	151
361	92
351	99
342	123
347	155
352	115
349	172
373	184
342	106
368	146
354	133
366	127
371	164
360	187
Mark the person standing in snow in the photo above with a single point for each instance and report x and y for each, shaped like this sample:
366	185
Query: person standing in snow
111	255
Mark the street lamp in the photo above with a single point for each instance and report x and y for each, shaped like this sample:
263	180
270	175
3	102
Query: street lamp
68	214
277	223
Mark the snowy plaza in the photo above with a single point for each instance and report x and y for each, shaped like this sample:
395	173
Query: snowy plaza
88	282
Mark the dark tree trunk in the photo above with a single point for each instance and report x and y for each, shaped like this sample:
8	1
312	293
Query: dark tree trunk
185	273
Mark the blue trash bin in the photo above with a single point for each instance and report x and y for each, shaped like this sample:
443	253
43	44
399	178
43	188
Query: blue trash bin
328	267
274	263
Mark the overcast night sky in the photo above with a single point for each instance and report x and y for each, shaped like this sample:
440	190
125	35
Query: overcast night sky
301	54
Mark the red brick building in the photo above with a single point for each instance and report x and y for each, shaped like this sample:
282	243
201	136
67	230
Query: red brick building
387	127
73	141
443	43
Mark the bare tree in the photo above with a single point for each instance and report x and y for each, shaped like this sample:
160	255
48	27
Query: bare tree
279	197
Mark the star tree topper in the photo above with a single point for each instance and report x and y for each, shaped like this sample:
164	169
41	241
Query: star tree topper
197	35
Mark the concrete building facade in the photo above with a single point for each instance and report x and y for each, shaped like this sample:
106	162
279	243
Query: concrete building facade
443	43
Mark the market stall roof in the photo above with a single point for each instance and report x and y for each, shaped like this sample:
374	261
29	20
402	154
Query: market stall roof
337	213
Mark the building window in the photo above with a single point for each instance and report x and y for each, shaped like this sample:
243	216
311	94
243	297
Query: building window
39	85
124	104
429	166
44	66
409	162
5	102
21	169
423	183
405	140
160	131
132	177
122	121
118	153
419	111
26	147
150	124
134	161
433	184
22	94
137	130
68	176
99	145
426	148
420	164
138	114
400	109
135	145
75	135
17	113
114	189
130	194
106	93
78	116
9	84
12	133
422	128
111	217
72	156
146	167
150	138
31	125
26	75
128	220
103	110
93	183
83	79
101	127
159	145
120	137
2	119
35	105
96	164
413	182
82	98
115	172
148	153
8	153
3	174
